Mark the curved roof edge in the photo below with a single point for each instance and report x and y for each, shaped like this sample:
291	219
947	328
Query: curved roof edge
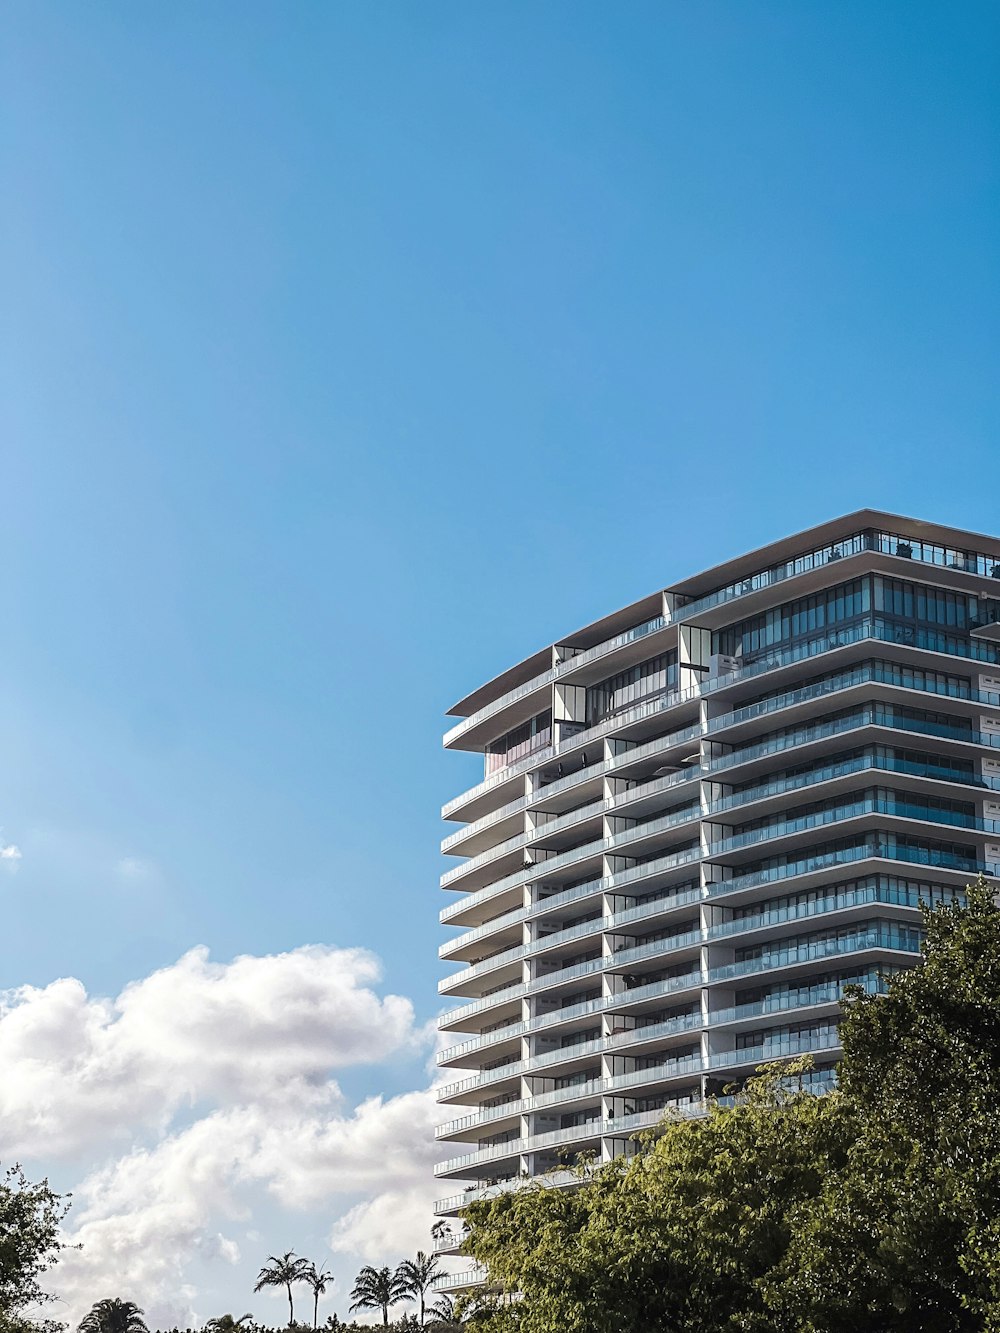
729	571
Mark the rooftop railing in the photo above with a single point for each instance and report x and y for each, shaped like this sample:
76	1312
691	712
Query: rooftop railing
885	543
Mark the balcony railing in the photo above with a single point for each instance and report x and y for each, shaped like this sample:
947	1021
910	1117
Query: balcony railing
847	856
846	768
601	1004
886	895
564	668
885	543
600	1126
787	954
852	810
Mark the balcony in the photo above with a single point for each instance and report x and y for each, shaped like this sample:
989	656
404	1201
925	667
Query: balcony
532	689
875	894
824	819
601	1126
876	936
543	870
979	564
621	1000
843	856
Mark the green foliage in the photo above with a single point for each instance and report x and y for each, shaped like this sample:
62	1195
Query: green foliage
920	1204
319	1279
30	1215
417	1275
114	1316
283	1270
681	1236
378	1289
227	1323
874	1209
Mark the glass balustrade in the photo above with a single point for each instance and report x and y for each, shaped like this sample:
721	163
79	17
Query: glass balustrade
646	750
843	636
655	907
481	1080
866	716
910	548
851	810
577	1092
783	1049
564	668
847	856
785	954
479	825
783	1002
580	853
599	1126
611	645
488	928
499	704
833	902
653	950
684	1023
503	996
829	772
875	629
880	673
482	1042
497	779
540	945
620	1000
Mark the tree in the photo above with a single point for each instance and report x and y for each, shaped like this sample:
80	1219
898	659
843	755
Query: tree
922	1069
319	1280
417	1275
30	1215
444	1316
283	1271
114	1316
874	1208
225	1323
679	1236
378	1289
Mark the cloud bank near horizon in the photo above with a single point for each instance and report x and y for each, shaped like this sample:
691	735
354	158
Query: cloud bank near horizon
202	1103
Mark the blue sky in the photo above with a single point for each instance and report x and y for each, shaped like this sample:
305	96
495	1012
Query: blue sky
350	352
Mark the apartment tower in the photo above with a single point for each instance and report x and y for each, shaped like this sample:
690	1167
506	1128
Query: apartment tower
701	817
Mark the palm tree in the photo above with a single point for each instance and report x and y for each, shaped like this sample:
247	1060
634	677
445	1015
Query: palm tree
443	1314
319	1281
417	1275
114	1316
284	1270
227	1324
378	1289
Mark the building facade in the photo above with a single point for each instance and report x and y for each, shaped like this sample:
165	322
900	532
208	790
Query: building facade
700	819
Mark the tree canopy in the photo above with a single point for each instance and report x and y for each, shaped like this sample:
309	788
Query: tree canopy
875	1207
114	1316
378	1289
30	1215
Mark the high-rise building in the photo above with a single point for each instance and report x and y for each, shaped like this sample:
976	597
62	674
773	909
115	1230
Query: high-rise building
701	818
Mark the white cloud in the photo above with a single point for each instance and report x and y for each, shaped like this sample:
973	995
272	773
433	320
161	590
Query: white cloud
141	1220
10	855
256	1028
200	1098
